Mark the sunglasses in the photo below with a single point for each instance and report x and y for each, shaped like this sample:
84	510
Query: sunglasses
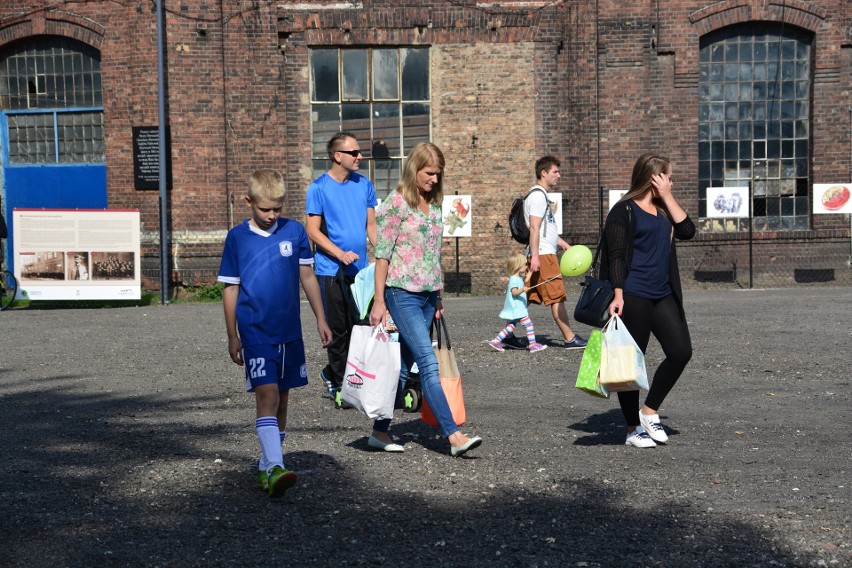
353	153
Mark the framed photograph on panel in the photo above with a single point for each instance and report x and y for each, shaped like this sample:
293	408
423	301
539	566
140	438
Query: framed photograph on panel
832	198
727	202
457	215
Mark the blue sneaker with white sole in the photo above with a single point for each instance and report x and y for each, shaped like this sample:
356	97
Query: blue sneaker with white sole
329	390
576	343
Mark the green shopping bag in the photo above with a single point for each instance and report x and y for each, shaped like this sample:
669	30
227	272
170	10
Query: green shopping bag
590	366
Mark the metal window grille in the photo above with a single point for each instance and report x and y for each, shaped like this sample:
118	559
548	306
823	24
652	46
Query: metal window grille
379	94
50	88
754	122
50	72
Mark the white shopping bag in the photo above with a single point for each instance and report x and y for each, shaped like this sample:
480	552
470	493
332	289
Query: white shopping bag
622	362
372	372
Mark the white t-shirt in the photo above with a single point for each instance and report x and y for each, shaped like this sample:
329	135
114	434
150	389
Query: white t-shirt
537	204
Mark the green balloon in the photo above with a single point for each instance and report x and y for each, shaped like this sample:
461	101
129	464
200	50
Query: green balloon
575	261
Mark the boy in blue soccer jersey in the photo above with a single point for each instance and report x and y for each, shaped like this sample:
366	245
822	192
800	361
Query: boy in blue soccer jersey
264	261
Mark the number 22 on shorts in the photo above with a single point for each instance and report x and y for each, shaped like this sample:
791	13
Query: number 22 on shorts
257	367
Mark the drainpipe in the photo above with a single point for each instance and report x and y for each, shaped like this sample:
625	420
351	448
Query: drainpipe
164	198
598	116
229	199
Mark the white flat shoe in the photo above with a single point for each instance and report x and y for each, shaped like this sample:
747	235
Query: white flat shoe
473	442
374	442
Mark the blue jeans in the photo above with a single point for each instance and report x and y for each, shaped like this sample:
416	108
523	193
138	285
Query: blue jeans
413	312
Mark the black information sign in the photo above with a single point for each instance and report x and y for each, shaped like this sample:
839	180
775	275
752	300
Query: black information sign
146	158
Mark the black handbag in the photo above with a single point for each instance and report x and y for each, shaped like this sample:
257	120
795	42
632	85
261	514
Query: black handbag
593	304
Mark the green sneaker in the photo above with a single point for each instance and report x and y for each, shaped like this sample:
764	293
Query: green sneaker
262	480
339	402
279	480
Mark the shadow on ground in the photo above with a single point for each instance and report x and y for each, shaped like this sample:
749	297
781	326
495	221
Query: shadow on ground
103	480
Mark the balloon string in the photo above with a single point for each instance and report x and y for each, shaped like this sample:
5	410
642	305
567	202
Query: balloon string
545	282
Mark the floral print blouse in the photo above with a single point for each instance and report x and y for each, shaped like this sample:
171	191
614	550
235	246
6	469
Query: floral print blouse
411	242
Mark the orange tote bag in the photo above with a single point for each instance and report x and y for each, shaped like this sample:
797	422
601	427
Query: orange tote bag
450	379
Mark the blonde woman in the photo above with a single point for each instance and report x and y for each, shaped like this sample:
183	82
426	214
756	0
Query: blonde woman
409	281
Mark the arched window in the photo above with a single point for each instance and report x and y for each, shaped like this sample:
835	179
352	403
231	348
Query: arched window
754	122
50	91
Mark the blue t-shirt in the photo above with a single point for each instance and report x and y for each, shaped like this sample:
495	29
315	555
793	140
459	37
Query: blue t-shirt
266	266
515	307
344	206
648	276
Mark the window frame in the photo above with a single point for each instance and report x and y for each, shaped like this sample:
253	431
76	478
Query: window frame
405	118
59	153
29	65
39	112
764	142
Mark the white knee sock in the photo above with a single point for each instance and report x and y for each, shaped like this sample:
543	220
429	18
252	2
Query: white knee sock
270	443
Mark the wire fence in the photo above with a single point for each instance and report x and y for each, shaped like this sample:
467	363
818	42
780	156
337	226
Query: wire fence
765	264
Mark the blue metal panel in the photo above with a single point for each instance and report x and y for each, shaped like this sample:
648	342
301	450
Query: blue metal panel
79	186
48	186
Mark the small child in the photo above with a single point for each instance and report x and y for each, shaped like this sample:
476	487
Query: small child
264	261
515	307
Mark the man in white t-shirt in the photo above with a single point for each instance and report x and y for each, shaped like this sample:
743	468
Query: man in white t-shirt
544	240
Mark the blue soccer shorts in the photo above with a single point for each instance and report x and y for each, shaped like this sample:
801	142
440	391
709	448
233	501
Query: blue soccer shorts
282	364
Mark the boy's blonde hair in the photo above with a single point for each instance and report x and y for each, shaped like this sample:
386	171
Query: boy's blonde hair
266	184
514	263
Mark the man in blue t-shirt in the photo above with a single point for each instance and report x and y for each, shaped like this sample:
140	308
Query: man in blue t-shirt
341	217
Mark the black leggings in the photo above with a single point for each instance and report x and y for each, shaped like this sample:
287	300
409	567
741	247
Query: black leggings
662	318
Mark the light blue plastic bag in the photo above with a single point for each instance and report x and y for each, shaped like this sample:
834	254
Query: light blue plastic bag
364	288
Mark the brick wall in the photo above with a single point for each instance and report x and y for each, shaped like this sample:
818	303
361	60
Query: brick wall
642	81
509	84
484	97
484	119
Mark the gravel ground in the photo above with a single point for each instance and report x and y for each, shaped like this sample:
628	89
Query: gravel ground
127	440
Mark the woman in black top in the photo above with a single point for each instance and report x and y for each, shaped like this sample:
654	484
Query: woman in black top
639	259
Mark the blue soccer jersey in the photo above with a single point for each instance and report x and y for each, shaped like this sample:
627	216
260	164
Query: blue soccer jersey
266	267
344	207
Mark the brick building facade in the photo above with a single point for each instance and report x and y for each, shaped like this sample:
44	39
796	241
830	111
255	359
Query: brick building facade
595	83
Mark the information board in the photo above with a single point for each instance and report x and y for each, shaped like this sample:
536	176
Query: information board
90	254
